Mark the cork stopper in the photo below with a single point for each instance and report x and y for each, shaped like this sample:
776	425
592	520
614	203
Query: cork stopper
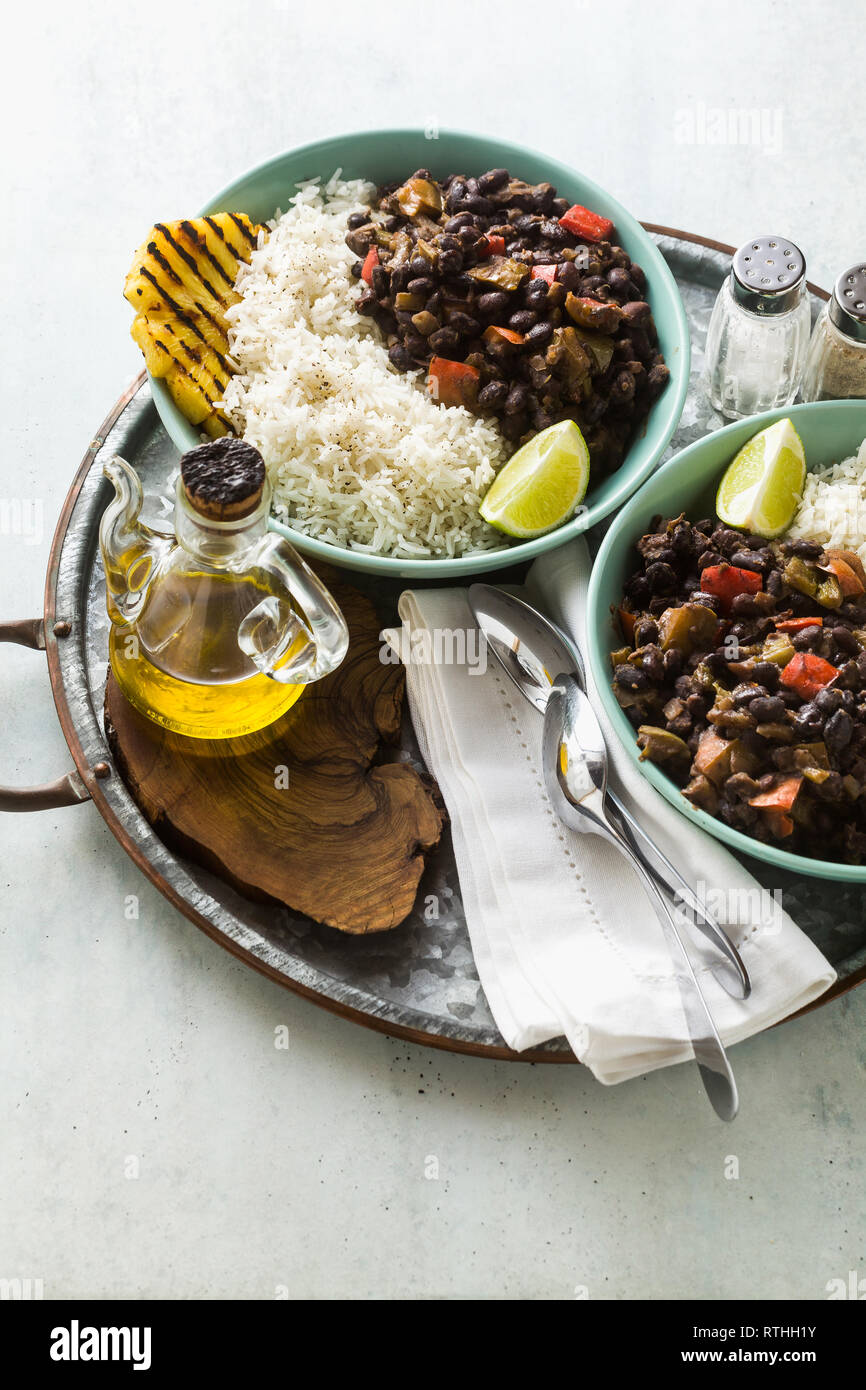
223	480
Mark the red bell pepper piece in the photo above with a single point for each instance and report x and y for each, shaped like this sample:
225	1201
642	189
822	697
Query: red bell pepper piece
492	246
797	624
807	674
370	260
725	582
779	798
589	226
627	623
779	823
544	272
452	383
508	334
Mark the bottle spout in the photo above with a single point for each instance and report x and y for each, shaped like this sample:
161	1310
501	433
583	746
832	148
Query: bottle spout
130	550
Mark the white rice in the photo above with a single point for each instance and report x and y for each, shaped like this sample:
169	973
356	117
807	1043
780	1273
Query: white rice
833	506
358	453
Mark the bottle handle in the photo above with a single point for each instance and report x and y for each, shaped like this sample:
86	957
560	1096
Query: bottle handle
313	642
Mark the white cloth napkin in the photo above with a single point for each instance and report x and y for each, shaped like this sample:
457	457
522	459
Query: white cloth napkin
564	936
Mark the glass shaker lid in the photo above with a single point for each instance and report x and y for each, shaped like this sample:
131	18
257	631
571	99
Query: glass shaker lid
767	273
848	303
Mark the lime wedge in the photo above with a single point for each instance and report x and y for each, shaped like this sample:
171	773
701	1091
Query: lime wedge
540	486
763	485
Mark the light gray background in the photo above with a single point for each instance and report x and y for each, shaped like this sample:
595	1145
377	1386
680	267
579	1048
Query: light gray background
304	1171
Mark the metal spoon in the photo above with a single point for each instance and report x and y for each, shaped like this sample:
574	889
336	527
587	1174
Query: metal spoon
575	772
529	647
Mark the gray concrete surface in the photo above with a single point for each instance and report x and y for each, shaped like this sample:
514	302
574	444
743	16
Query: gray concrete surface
154	1140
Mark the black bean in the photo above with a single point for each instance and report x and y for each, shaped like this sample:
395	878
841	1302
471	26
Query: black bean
807	638
380	281
516	399
456	193
357	219
661	578
540	333
636	313
444	340
749	560
493	180
622	389
481	206
553	233
774	583
673	660
657	378
808	721
706	601
768	709
559	207
419	266
645	631
745	692
766	673
535	293
461	219
568	275
838	731
829	700
844	638
630	677
493	302
464	324
400	357
652	662
493	395
622	285
357	267
450	263
807	550
523	320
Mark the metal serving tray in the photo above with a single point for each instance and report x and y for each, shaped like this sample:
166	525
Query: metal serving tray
418	981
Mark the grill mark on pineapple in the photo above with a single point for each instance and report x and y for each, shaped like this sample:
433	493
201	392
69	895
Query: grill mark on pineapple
203	249
188	320
240	223
188	260
196	356
154	251
181	314
217	229
184	371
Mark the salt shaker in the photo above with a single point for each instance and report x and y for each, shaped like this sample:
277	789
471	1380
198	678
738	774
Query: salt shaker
758	336
836	364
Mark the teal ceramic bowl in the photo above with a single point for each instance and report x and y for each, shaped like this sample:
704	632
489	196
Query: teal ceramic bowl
831	431
383	155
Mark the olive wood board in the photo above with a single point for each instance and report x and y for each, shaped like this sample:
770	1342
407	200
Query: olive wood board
304	812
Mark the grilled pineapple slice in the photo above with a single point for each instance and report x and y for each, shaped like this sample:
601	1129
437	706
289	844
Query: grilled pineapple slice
181	282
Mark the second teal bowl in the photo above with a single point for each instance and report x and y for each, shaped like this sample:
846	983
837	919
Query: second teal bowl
384	155
830	431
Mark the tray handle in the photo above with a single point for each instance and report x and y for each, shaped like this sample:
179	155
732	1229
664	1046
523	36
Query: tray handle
66	791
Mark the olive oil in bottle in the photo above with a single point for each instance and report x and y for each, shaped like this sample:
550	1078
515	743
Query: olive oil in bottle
215	631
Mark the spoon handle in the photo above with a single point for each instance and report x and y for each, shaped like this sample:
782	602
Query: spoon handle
710	1055
668	876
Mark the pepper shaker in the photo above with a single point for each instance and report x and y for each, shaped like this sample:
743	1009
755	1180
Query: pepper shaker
759	329
836	363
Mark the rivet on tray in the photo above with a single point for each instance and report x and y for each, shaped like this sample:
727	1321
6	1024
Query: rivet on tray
62	629
101	770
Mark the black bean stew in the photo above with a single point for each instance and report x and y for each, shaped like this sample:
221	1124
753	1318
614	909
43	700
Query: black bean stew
515	303
744	673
